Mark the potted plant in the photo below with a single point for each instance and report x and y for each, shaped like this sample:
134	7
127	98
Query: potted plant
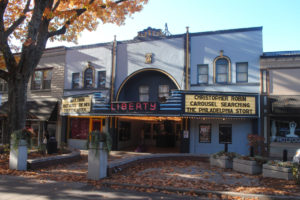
20	140
222	159
99	145
279	169
249	165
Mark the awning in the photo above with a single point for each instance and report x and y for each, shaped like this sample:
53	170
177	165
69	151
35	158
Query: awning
285	104
42	110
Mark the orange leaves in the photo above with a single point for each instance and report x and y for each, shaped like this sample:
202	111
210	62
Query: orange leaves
75	15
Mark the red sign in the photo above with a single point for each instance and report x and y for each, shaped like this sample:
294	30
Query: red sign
134	107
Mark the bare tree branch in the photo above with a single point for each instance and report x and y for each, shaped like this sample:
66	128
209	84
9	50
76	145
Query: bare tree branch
79	12
56	5
19	20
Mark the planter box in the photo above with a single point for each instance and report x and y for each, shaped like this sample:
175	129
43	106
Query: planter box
222	162
246	166
18	157
97	162
277	172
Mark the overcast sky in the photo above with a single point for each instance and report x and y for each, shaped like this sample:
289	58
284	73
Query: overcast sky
280	20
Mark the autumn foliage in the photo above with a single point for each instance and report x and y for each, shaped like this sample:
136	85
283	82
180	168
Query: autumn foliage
27	25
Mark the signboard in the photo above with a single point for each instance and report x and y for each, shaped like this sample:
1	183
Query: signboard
73	105
134	107
220	104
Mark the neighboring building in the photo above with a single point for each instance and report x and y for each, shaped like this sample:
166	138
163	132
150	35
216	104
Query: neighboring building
280	107
45	89
222	102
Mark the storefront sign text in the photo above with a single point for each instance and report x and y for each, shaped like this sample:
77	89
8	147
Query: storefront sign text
220	104
134	107
286	139
76	105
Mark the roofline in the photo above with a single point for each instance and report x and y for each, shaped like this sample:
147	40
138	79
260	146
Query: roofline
277	54
167	37
259	28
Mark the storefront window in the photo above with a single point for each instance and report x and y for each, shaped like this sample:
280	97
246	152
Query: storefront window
285	131
205	133
79	128
225	133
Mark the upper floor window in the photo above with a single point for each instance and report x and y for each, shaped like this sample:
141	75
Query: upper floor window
75	80
101	79
222	70
163	92
88	77
242	72
41	79
3	85
144	93
202	74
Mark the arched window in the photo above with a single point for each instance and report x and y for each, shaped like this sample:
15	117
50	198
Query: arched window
88	78
222	70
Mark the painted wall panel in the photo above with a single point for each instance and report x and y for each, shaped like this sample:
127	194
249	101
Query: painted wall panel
168	55
239	47
240	130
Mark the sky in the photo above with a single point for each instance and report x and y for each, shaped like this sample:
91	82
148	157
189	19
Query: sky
280	20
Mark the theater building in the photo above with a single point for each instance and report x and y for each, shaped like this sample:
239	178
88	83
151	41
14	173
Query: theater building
189	92
280	72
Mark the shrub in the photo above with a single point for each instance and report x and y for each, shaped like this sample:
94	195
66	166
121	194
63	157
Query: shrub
230	155
96	136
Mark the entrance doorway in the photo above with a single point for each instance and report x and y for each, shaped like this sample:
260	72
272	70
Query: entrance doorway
149	134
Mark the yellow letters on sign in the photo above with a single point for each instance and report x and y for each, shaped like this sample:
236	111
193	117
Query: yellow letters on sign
220	104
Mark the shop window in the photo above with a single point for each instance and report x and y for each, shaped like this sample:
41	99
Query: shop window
75	80
205	133
41	79
222	72
202	74
225	133
3	85
124	131
101	79
88	78
163	92
242	72
144	93
79	128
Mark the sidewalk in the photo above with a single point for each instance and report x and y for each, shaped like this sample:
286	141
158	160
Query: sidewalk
20	188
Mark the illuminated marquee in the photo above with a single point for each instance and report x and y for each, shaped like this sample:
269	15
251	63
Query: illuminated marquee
76	105
134	107
220	104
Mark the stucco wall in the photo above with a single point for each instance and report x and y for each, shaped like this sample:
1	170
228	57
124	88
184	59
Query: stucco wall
240	130
168	55
77	59
238	46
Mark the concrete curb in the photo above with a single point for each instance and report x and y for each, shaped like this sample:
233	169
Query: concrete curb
218	194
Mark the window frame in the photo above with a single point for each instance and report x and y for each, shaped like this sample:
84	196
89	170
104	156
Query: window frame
228	69
237	72
210	130
85	77
73	82
198	73
225	142
144	93
42	85
3	85
98	79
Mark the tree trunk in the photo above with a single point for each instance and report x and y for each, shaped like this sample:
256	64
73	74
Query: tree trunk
17	97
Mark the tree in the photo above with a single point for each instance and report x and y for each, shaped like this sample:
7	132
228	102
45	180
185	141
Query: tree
31	23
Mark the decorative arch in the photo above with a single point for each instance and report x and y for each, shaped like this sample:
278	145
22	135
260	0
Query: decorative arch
221	56
144	70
